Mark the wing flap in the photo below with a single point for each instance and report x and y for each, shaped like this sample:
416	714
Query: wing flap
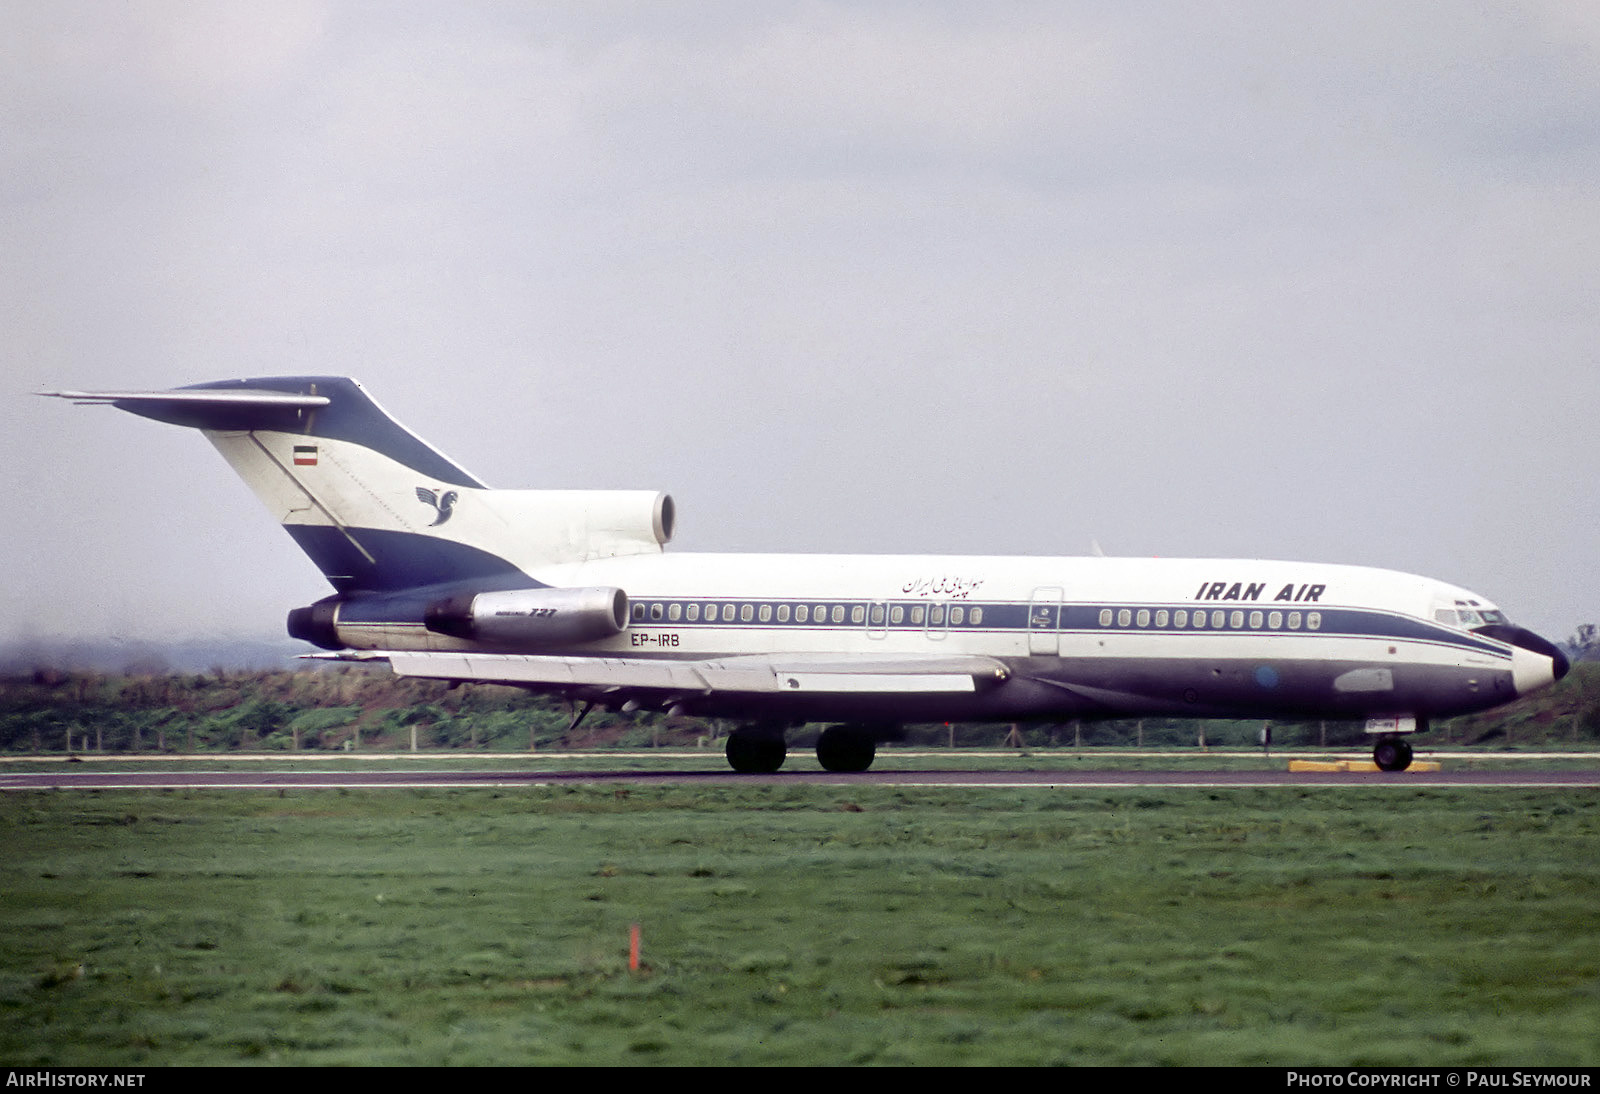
732	675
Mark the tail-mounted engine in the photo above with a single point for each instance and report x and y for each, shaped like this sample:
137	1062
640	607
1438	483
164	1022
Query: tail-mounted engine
318	624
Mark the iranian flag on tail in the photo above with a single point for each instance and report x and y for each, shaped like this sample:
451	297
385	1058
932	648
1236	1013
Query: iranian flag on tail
305	455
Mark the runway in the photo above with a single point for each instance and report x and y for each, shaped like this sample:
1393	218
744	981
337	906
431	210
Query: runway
223	779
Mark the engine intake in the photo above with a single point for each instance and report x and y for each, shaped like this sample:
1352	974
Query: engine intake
531	616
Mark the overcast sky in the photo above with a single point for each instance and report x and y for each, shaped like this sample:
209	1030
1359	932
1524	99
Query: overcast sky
1276	280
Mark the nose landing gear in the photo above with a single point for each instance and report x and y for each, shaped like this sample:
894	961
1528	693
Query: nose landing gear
1392	754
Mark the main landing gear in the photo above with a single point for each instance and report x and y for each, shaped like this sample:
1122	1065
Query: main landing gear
756	749
846	748
1392	754
760	749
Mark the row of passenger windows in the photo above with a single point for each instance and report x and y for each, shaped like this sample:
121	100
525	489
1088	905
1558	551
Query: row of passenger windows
1217	620
932	615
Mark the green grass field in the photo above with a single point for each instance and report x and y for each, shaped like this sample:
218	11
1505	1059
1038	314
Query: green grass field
800	925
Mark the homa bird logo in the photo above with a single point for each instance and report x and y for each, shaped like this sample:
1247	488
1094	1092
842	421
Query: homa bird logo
443	505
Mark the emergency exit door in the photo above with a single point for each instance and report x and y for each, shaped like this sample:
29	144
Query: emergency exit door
1044	620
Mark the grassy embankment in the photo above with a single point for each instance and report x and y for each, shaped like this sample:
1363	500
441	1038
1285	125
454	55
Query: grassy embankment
356	709
801	925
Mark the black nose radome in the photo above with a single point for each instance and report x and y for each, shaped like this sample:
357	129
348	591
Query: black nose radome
1522	636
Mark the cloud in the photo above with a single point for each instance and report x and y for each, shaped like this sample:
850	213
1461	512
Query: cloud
842	276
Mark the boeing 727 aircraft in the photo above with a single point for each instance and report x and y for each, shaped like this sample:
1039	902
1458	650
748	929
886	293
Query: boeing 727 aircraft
572	593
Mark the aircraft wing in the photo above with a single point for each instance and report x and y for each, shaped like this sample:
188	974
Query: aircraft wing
768	674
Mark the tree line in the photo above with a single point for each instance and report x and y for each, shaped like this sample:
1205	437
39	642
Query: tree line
348	708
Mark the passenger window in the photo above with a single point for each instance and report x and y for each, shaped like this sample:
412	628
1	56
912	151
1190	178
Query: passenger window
801	613
1294	621
746	613
1255	620
783	613
1275	621
957	615
936	615
1218	618
692	612
977	616
838	613
1236	620
1161	618
766	613
877	615
858	614
1105	617
1144	617
897	614
674	611
1313	621
1180	618
638	612
918	613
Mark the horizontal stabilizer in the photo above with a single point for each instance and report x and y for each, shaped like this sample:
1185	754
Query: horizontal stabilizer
201	408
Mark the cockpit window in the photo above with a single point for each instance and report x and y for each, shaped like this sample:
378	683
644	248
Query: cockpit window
1468	614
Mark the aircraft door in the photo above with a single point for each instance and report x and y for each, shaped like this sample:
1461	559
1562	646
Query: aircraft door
1044	620
877	619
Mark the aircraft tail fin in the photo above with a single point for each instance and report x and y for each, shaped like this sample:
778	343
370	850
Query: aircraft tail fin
375	507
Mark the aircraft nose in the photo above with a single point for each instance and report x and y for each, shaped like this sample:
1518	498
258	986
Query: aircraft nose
1562	665
1535	662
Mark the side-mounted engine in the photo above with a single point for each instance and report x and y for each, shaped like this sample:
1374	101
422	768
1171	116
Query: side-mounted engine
533	617
509	619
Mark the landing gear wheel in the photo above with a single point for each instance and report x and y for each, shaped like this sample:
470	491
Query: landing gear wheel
755	753
1392	754
846	748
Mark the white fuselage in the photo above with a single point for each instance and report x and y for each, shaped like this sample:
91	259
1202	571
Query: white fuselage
572	592
1092	635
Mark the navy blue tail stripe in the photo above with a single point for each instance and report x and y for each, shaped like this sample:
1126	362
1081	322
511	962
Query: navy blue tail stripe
351	415
400	560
